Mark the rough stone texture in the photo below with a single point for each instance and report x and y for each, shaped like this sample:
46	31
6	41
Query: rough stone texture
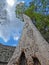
32	48
6	53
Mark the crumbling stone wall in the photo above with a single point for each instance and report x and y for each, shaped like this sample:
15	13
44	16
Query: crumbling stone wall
6	53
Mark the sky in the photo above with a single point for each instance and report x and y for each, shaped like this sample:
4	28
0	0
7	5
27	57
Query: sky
26	1
11	32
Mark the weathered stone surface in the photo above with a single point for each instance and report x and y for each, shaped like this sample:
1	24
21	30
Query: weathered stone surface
33	45
6	53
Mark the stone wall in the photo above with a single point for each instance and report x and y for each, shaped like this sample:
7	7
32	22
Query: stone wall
6	53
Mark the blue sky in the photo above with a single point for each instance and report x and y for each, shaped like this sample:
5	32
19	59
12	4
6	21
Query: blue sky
10	34
26	1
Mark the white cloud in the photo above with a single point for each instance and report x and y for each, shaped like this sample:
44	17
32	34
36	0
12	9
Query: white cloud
11	30
18	2
2	36
16	38
23	1
5	39
10	27
10	2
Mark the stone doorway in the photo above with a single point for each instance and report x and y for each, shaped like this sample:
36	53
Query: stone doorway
22	59
36	61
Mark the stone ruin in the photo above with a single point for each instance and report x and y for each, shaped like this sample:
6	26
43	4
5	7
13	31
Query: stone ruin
33	49
6	53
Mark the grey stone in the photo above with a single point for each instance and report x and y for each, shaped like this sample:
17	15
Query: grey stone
6	53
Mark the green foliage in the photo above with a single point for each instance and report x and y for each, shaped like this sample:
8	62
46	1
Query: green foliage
42	6
41	21
20	10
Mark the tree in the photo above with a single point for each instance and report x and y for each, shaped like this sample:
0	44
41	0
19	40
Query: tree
37	11
20	10
41	6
